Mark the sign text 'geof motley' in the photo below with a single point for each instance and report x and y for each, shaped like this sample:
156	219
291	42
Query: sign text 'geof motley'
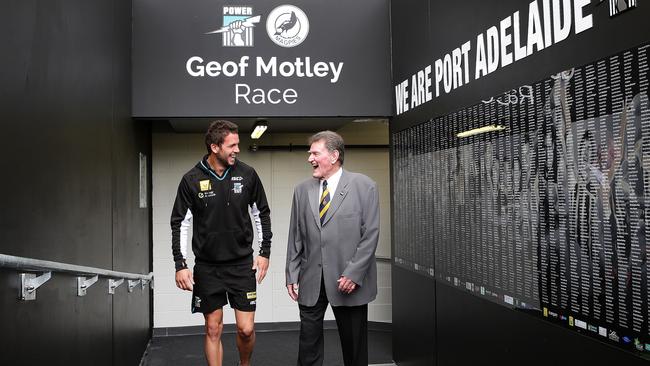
300	67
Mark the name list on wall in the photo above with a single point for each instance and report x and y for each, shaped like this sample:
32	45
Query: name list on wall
547	215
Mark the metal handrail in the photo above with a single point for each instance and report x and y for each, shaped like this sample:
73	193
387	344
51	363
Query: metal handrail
30	282
30	264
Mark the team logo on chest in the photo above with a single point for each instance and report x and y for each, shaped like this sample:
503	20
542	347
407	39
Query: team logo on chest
237	185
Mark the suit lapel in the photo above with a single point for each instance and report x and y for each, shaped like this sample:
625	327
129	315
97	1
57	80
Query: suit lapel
339	196
313	200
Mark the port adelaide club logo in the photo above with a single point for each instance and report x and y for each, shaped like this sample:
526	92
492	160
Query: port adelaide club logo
287	25
238	24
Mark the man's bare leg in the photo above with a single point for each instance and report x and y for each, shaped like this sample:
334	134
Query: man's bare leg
245	335
213	331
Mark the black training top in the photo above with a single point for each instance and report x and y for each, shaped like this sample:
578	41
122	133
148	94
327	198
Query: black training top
218	208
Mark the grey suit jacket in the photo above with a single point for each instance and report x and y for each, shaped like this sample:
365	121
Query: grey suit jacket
343	246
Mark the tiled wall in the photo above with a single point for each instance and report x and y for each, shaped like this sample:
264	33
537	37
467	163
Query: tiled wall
174	154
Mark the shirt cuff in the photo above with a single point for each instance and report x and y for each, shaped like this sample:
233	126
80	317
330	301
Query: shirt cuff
180	265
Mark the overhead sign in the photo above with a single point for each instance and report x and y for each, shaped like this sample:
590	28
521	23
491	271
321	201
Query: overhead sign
208	58
543	24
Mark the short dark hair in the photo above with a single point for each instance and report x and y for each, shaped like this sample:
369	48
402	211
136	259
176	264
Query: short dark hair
333	142
218	131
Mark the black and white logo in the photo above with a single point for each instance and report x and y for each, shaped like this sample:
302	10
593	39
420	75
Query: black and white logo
287	26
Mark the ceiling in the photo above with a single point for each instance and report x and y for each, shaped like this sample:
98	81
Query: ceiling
275	124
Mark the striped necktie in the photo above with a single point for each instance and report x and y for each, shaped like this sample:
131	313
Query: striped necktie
324	202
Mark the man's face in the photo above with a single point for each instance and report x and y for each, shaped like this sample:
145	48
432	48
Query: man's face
227	153
323	162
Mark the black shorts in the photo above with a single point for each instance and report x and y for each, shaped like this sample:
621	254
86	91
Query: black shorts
216	286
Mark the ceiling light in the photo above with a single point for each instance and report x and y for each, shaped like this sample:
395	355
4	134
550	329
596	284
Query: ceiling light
258	129
484	129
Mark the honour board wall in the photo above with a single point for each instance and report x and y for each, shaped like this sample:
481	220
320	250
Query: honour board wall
543	224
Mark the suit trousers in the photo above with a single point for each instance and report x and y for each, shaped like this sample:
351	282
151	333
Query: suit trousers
352	323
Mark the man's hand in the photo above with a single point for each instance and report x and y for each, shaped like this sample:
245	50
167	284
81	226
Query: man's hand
293	291
261	264
346	285
185	280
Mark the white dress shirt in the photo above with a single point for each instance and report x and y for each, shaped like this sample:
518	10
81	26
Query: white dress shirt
332	183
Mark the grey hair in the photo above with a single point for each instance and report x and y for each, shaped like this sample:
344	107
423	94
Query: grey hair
333	142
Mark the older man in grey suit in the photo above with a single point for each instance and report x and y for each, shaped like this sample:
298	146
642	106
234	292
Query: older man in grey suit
333	236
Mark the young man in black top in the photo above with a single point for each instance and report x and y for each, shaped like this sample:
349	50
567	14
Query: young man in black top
214	198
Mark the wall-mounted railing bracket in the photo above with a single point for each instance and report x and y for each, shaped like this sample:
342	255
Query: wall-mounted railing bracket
113	284
83	283
29	282
144	283
132	284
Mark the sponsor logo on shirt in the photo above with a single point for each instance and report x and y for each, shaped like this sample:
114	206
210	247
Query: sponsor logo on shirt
206	194
205	185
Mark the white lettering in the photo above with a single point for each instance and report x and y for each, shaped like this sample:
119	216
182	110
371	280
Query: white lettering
548	35
270	96
492	49
336	71
526	95
243	64
414	92
237	10
198	71
230	69
506	40
561	26
582	23
535	38
242	95
290	96
320	69
447	82
481	62
421	91
427	84
287	69
457	71
213	68
266	68
465	50
259	96
438	71
520	52
299	68
401	97
195	67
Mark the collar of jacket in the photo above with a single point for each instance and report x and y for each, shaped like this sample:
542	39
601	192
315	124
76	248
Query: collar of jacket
205	166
